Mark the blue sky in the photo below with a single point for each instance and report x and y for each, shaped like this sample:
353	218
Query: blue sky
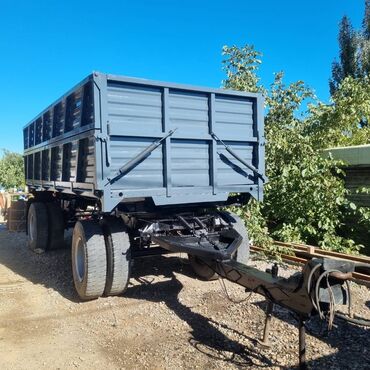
48	46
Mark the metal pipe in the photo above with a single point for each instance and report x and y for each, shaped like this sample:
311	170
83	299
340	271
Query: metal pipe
266	331
302	345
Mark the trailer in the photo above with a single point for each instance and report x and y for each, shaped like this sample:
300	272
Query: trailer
127	160
140	168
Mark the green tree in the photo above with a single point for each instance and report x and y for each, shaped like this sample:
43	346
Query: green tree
305	198
365	41
348	60
344	122
240	66
11	170
354	46
366	21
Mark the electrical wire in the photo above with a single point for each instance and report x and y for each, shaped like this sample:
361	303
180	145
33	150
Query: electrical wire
357	321
227	295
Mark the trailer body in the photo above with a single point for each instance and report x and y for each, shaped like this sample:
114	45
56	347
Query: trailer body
77	145
141	168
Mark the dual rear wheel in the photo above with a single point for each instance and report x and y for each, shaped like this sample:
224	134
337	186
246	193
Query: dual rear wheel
45	226
101	259
100	250
101	255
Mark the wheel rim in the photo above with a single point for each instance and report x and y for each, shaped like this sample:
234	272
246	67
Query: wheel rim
32	227
80	259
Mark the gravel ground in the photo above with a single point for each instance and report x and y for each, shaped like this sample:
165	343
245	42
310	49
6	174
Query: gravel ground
167	319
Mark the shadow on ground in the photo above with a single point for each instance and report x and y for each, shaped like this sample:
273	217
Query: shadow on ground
53	270
206	338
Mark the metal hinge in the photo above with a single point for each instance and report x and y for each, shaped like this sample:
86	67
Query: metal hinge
105	140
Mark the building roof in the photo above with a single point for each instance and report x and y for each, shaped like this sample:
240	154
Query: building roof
353	155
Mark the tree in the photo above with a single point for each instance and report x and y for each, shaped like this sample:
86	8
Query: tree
305	198
354	58
345	121
240	65
11	170
365	41
366	21
348	60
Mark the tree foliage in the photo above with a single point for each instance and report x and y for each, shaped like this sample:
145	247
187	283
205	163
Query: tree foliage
365	41
354	51
305	198
240	65
11	170
348	63
346	120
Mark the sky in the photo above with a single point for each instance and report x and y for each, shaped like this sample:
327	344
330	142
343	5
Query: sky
47	46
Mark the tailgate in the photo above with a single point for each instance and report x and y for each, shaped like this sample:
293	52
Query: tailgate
188	165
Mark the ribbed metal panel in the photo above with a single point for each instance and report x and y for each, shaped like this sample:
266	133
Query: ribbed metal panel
80	142
146	175
138	115
229	170
134	109
189	163
70	113
37	166
45	174
86	160
188	112
56	163
234	118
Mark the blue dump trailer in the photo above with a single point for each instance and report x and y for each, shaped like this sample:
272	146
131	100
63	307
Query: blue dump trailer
150	161
141	168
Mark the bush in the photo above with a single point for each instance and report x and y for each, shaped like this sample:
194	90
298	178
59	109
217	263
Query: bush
305	198
11	170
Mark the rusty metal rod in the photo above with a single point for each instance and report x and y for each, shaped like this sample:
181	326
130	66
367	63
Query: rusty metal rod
302	345
266	331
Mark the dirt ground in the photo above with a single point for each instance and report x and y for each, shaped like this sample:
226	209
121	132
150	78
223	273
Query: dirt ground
167	319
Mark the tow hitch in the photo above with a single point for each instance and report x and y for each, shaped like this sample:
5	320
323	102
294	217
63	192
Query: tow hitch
318	289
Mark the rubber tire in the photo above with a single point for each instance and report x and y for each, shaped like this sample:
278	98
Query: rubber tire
117	244
38	214
242	254
201	269
91	285
56	226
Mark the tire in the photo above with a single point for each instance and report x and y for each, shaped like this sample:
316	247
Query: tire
242	254
202	269
117	243
56	226
89	259
37	227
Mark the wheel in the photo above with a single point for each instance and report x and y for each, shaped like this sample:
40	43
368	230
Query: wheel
37	227
242	254
56	226
117	243
202	269
89	259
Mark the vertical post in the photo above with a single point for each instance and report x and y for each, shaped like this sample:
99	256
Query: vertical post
260	165
65	115
167	143
266	331
302	345
213	149
77	158
50	163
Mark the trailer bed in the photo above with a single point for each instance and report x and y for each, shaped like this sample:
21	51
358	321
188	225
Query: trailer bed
78	144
